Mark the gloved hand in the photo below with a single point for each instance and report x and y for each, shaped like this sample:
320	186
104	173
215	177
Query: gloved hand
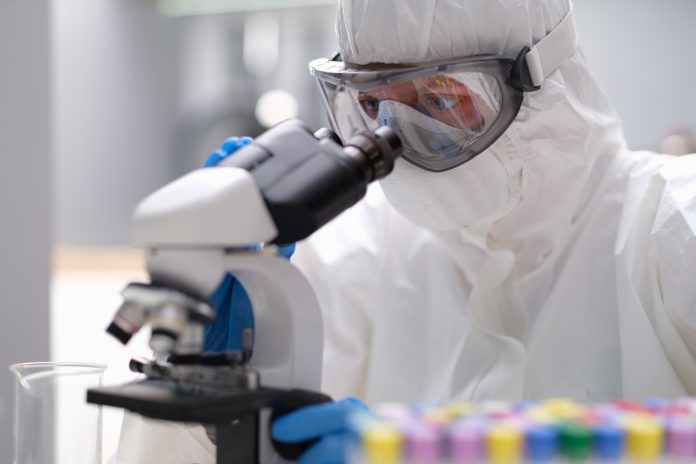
228	147
327	422
231	302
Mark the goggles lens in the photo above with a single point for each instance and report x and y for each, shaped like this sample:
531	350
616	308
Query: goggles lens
443	118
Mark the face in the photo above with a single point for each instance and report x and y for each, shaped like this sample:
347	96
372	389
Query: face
441	97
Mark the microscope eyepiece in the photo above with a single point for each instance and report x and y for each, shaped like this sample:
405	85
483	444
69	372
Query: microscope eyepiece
375	151
388	135
327	134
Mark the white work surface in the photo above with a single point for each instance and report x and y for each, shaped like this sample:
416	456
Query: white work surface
85	294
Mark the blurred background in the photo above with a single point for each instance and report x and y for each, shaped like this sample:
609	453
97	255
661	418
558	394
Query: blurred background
103	101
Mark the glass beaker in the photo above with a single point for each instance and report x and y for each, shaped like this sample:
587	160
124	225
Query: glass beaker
53	424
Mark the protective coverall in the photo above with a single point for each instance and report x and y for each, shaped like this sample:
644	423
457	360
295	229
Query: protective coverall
557	263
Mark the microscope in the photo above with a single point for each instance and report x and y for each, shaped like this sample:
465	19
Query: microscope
208	223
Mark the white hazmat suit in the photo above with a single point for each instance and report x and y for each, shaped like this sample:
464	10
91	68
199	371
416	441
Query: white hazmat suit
556	263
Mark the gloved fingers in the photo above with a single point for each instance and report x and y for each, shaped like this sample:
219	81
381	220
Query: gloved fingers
286	250
215	158
330	449
228	147
312	422
233	315
217	333
233	144
353	402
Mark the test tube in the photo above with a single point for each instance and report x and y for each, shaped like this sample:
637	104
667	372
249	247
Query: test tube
423	445
541	443
656	404
607	413
609	441
681	439
383	444
560	430
523	406
458	410
466	441
686	403
504	444
630	406
393	411
436	419
539	414
563	409
644	438
575	441
495	408
359	422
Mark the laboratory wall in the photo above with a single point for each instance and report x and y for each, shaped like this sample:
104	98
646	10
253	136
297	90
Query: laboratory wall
642	54
115	93
25	188
142	98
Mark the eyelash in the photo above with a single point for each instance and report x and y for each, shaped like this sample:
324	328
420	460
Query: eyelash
435	100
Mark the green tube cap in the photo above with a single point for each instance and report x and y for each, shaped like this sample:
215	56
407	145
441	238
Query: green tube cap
575	440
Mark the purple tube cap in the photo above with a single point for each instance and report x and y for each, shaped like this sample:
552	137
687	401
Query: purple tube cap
682	437
423	445
467	442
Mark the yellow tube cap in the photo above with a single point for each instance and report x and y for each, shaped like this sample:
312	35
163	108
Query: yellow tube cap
644	438
456	410
540	414
563	408
504	443
382	444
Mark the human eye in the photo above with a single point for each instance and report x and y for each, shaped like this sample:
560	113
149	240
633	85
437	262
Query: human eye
441	102
370	105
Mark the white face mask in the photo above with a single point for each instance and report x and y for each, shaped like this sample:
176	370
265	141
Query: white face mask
476	193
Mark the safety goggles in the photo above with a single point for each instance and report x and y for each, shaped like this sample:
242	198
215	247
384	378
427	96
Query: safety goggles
445	112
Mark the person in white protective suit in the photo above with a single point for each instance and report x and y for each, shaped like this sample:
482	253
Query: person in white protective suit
552	262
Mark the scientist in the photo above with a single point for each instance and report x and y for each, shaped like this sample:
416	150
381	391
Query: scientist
518	250
554	262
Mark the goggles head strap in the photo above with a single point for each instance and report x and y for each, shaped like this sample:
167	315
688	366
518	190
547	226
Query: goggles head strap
536	63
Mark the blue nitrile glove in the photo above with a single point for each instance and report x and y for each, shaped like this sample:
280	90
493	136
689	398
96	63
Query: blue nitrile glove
232	305
328	422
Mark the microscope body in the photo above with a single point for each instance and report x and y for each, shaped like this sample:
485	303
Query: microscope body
208	224
288	337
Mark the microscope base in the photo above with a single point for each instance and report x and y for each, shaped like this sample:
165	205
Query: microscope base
233	412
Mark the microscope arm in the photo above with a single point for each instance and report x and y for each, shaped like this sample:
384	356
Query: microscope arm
283	187
314	180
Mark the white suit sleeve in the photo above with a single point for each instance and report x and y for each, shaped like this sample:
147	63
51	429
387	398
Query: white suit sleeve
655	259
341	261
674	232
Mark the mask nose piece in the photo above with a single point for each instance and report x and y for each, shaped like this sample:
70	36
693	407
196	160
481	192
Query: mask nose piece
383	118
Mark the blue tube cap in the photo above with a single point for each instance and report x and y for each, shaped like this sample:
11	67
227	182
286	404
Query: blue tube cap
609	441
541	443
656	403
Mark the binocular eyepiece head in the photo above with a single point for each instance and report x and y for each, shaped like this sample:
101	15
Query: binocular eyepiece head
375	152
